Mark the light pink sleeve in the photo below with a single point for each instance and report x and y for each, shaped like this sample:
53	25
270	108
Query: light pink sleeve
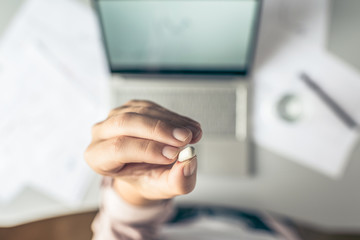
118	220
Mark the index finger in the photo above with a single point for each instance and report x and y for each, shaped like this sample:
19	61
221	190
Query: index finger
156	111
142	126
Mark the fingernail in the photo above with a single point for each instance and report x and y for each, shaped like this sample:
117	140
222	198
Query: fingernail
170	152
190	167
181	134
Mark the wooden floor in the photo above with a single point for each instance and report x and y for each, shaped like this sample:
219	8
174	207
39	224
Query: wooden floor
73	227
77	227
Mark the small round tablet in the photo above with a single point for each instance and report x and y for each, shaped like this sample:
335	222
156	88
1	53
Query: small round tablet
186	154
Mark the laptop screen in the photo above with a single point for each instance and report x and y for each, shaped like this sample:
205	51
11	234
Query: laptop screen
179	36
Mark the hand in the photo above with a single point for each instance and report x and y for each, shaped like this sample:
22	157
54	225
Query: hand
138	145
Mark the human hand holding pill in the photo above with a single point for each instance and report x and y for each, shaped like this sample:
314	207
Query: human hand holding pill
138	145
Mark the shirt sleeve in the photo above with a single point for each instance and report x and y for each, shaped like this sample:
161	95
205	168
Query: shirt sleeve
119	220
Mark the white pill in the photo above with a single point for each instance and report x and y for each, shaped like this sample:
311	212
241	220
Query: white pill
186	154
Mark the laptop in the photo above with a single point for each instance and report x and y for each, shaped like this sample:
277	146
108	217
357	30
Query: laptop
191	56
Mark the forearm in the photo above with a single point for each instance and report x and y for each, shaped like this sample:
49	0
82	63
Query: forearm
119	220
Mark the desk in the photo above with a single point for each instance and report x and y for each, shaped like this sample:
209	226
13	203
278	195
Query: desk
77	227
279	186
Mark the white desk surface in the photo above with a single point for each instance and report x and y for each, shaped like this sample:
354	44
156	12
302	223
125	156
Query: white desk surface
279	186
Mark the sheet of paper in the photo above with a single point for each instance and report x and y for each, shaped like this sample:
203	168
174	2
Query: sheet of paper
12	179
305	19
53	87
292	40
319	139
285	20
72	43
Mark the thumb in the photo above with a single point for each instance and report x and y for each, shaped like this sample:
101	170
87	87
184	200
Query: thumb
182	177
